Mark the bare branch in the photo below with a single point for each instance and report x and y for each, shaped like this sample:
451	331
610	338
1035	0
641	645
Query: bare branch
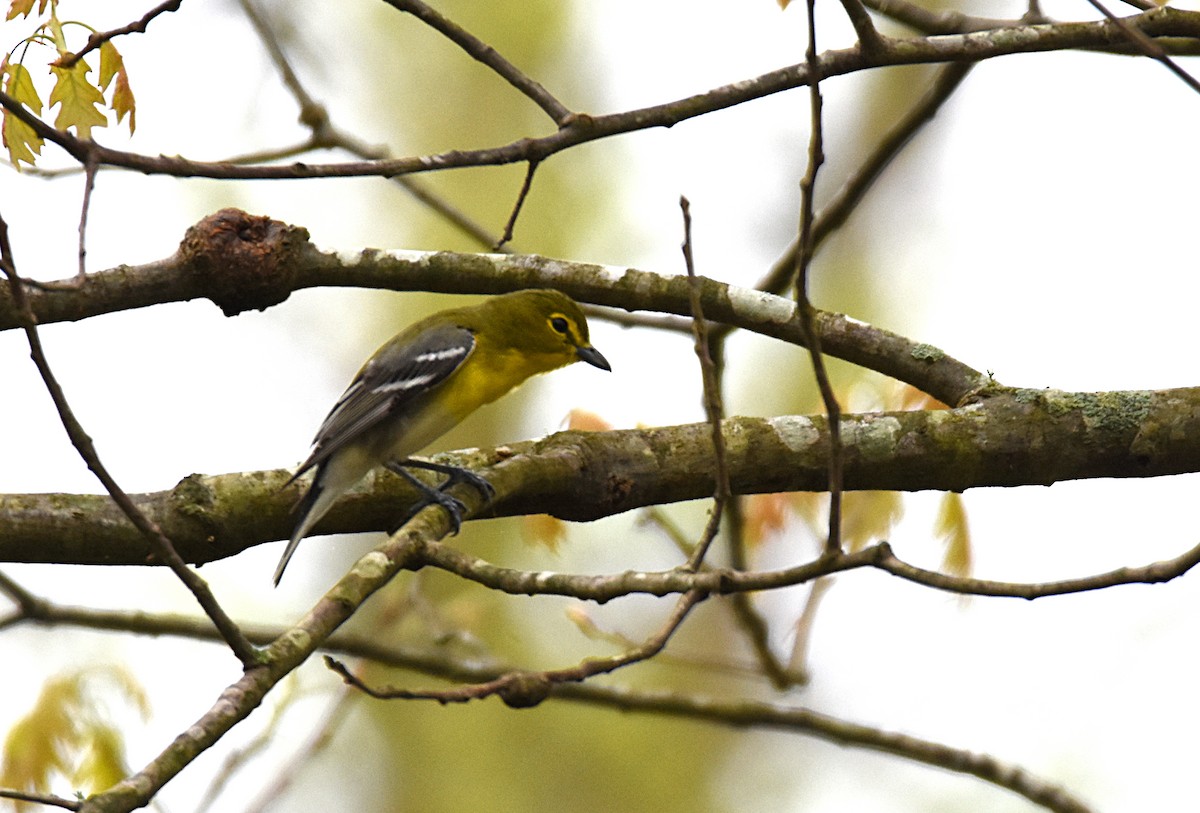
481	51
714	409
326	135
740	713
805	312
868	37
39	798
89	184
523	689
579	128
269	260
752	622
838	210
526	185
1147	46
136	27
1154	573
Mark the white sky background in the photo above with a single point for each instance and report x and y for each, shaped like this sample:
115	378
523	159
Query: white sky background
1043	230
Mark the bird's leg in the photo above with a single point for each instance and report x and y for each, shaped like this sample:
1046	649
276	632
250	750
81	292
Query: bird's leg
454	476
437	496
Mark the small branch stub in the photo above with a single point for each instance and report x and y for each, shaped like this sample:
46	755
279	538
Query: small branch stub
241	261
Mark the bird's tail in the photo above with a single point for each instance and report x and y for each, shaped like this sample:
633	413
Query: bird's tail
310	509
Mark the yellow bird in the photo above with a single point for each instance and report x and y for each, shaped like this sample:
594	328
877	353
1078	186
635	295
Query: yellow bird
427	379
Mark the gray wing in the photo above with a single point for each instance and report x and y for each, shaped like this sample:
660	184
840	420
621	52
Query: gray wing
387	383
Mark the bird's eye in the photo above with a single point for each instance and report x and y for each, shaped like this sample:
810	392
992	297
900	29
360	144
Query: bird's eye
560	324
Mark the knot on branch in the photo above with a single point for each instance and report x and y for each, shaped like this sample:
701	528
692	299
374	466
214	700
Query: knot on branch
524	690
242	261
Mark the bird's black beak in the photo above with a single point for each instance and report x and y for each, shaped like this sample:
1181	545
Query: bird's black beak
593	357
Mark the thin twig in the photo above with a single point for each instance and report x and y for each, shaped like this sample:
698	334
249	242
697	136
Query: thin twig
522	689
806	313
845	202
607	588
39	798
137	26
336	715
159	543
1006	40
89	184
724	663
312	113
714	410
325	135
1147	46
869	37
27	603
926	21
526	185
724	580
481	51
741	713
753	623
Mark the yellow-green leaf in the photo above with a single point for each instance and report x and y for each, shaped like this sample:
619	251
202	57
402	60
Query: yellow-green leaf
68	734
111	64
868	516
21	8
20	86
33	749
103	760
78	100
952	526
19	138
22	142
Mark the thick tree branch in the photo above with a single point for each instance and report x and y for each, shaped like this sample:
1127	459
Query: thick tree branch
1010	438
242	262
